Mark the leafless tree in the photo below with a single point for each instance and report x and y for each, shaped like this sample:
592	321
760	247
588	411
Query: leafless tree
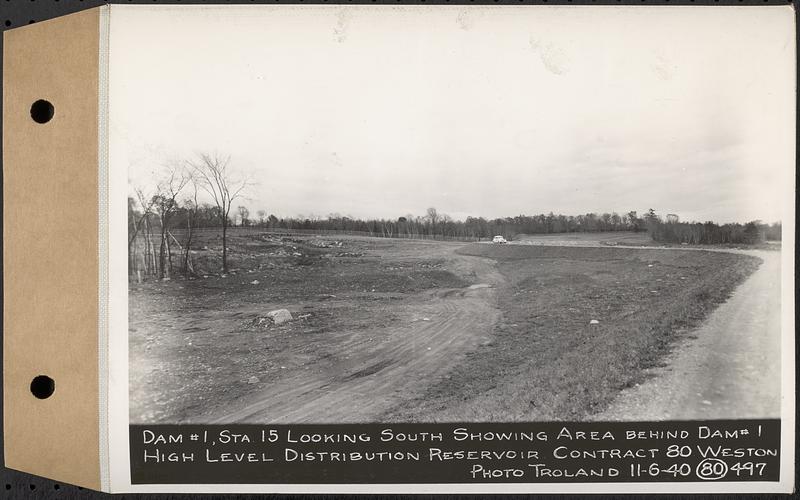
445	221
244	215
218	182
433	216
143	227
191	206
165	203
146	204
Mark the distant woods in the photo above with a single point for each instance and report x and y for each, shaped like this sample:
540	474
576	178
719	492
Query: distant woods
437	225
163	222
670	230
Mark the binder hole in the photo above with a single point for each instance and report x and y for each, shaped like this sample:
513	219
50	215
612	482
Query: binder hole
43	386
42	111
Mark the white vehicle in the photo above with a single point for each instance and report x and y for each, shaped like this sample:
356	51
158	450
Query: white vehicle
499	239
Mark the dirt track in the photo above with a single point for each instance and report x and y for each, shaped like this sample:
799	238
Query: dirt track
730	369
446	324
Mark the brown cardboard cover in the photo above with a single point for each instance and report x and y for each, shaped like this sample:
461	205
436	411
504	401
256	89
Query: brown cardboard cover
50	260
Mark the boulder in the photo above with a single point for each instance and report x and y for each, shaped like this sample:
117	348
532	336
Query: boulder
280	316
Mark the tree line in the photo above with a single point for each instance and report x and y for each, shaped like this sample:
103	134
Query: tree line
710	233
163	222
435	224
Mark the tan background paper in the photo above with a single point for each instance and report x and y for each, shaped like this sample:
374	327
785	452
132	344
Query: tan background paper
50	259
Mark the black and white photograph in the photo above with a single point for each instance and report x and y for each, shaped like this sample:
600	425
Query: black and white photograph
356	214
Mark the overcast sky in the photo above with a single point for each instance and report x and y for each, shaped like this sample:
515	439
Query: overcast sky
484	111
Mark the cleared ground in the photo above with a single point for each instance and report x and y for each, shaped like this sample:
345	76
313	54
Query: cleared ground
373	319
416	331
587	239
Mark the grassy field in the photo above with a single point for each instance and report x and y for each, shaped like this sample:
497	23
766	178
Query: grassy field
411	330
626	238
547	362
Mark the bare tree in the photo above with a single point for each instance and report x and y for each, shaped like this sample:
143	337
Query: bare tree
165	203
433	215
433	219
191	222
217	181
146	204
244	215
144	227
446	220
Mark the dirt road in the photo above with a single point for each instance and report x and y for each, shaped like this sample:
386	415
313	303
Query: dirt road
728	368
384	367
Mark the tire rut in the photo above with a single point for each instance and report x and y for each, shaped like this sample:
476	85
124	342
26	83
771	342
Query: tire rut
399	366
